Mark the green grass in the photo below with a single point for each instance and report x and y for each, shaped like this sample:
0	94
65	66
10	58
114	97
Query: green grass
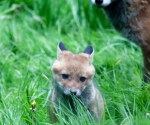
29	34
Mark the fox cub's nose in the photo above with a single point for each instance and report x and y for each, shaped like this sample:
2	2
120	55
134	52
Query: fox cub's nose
76	92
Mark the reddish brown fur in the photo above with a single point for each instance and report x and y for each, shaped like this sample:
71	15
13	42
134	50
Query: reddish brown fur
132	19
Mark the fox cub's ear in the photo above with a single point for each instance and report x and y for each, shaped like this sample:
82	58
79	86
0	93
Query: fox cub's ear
90	51
61	47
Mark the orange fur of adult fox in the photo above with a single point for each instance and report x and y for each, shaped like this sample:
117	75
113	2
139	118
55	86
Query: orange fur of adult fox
132	19
73	75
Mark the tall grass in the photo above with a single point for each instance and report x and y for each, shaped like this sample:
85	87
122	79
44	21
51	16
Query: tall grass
29	34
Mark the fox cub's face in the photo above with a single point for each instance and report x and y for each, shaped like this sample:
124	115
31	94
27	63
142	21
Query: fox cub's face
72	73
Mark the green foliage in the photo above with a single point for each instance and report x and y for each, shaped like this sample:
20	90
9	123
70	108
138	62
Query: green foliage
29	34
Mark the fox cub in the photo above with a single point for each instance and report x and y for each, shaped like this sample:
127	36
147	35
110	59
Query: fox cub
132	19
73	75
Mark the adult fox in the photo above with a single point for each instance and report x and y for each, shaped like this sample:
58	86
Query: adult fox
132	19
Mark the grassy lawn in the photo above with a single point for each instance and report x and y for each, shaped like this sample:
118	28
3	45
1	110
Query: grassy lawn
29	33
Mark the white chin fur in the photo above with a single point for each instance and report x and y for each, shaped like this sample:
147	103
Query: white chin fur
78	92
105	2
66	91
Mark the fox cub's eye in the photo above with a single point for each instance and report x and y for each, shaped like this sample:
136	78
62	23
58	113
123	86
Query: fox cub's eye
65	76
82	79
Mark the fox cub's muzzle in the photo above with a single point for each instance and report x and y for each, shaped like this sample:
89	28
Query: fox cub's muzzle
76	92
